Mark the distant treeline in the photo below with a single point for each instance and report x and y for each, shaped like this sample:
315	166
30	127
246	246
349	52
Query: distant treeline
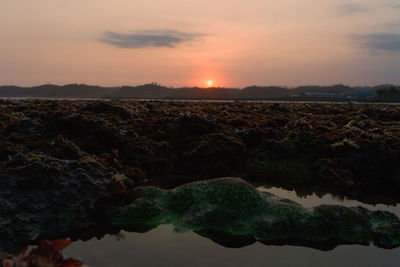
390	92
156	91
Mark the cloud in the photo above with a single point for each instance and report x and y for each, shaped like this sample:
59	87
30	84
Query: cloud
379	42
392	25
148	38
350	9
394	5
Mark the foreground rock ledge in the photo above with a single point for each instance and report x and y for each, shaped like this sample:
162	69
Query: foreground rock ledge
346	150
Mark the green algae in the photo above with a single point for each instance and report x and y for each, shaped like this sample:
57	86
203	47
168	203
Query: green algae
386	227
148	208
230	206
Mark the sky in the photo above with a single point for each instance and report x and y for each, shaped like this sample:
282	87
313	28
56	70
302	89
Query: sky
177	43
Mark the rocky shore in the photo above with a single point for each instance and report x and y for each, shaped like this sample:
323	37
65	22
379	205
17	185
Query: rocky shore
66	166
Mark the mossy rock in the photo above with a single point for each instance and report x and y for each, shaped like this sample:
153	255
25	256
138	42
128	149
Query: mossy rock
147	208
232	207
386	228
227	194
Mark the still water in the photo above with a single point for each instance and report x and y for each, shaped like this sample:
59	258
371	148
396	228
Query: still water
163	247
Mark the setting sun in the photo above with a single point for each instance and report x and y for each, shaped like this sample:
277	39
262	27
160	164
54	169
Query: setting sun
210	83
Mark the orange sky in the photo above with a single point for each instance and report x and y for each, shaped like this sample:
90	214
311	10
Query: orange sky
185	43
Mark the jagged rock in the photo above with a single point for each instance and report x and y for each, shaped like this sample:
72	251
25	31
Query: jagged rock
24	126
42	197
103	107
216	153
356	124
205	140
63	148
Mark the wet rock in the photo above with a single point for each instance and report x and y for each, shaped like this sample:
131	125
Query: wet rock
63	148
118	186
6	151
356	125
136	174
345	145
91	135
254	136
190	125
205	140
215	153
103	107
299	126
24	126
370	112
239	122
46	197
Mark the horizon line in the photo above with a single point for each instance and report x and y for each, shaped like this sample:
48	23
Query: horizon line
192	87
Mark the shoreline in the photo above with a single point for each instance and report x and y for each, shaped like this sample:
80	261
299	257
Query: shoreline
327	102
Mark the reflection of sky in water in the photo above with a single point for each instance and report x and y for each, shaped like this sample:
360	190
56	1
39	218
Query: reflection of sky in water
162	247
313	200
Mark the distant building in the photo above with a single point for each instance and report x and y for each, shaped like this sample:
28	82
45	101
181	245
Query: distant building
366	93
321	94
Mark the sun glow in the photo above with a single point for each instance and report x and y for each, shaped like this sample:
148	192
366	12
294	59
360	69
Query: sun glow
207	79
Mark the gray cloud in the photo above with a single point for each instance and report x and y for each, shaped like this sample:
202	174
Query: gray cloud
148	38
350	9
379	42
394	5
392	25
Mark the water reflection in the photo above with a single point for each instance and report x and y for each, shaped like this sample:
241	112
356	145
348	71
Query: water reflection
153	243
327	199
163	247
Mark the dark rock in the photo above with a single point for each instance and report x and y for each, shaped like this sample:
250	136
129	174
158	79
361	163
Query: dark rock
216	153
63	148
45	198
204	140
24	126
103	107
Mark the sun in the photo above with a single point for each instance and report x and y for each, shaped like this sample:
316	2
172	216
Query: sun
210	83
